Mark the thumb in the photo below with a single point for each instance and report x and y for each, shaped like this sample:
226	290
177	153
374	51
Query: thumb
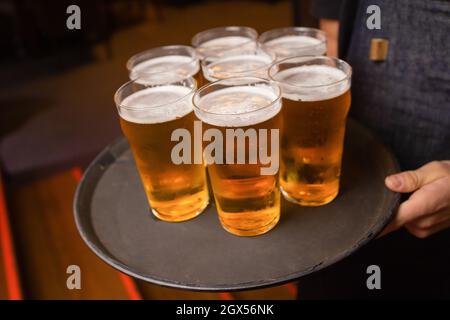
409	181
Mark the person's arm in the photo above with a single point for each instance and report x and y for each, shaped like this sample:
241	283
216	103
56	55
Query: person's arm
331	27
327	11
427	210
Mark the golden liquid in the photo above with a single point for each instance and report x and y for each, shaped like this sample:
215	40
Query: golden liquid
200	79
248	203
175	192
311	149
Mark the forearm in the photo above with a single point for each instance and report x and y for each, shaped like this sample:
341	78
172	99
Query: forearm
328	13
331	27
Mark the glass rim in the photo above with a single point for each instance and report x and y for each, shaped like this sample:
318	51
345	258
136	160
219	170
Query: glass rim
299	29
194	57
135	81
218	82
348	72
196	38
272	56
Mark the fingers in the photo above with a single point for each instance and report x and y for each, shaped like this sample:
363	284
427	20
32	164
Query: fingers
422	227
431	221
425	229
427	210
409	181
429	199
391	227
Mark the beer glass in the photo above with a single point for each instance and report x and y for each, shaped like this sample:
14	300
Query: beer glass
149	114
316	101
294	41
241	116
217	42
254	64
163	65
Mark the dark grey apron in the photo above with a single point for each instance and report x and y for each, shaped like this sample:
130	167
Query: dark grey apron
405	100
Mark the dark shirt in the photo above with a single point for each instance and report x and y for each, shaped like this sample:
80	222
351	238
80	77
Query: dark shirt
405	100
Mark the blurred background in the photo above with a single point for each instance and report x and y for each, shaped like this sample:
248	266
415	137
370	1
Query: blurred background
57	113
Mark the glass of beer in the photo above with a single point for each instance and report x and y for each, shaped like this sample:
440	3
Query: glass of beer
316	101
294	41
149	114
217	42
163	65
252	64
241	116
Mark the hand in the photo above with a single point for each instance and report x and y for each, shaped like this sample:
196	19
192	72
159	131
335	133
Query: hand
427	210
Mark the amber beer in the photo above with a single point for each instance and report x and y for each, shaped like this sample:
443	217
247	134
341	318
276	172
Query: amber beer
167	64
316	101
148	116
248	202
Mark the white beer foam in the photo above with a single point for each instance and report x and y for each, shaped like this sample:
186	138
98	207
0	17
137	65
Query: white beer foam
165	69
228	41
295	45
222	46
246	64
312	82
157	104
238	106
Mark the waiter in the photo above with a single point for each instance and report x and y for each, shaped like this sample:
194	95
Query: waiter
401	90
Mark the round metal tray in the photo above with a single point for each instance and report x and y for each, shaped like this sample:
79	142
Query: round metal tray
113	218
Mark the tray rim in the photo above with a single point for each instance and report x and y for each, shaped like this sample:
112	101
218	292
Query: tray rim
251	285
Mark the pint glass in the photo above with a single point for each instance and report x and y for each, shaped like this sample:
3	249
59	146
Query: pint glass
164	65
250	64
241	117
294	41
148	117
316	101
218	42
